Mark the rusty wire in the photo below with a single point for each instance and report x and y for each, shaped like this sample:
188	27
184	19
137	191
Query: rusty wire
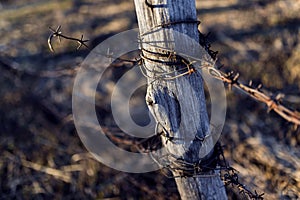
231	177
57	33
186	169
232	79
272	103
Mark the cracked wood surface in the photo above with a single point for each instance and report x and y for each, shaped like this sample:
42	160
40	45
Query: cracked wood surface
179	104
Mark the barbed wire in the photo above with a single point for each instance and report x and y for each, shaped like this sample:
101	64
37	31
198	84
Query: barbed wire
232	79
204	169
182	67
231	177
57	33
273	103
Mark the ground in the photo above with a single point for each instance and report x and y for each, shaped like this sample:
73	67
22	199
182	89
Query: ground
41	154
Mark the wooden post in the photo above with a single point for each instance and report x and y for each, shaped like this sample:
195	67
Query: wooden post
178	104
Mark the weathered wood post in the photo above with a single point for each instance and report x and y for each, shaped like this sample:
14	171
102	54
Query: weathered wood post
178	104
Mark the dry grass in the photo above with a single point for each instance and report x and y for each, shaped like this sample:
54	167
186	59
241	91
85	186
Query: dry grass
41	154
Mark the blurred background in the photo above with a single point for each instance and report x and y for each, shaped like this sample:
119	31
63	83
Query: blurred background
41	155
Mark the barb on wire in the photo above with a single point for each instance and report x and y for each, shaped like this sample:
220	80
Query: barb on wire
231	78
231	178
204	42
180	65
57	33
273	103
82	42
202	168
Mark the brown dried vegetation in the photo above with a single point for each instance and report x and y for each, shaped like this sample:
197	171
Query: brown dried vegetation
41	154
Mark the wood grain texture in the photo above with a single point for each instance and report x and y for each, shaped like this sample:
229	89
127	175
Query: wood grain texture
178	105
